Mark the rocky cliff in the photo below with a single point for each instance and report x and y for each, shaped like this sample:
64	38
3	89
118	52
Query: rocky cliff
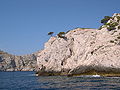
83	51
10	62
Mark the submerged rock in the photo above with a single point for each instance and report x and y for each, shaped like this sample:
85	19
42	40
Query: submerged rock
82	51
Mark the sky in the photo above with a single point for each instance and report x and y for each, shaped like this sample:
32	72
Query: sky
24	24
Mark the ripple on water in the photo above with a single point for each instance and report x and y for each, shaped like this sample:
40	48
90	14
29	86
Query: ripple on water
28	81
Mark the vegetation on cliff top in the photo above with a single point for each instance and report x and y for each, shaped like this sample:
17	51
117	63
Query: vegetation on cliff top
105	19
111	23
61	34
50	33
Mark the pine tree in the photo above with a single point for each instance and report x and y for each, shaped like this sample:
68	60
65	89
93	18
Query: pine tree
50	33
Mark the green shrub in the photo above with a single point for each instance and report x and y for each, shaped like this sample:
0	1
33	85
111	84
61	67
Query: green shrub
105	20
110	28
118	17
115	24
111	25
108	24
61	34
50	33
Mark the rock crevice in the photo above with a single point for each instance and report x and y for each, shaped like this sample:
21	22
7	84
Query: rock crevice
84	50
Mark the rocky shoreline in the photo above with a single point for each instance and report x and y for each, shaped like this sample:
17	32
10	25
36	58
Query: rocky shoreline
102	71
83	52
77	52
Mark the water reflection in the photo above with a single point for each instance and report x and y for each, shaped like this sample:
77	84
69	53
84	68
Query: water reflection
77	83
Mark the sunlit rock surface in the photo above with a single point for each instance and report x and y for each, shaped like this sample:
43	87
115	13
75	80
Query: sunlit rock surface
10	62
81	51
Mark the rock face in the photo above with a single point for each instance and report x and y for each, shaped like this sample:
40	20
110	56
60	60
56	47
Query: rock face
10	62
81	51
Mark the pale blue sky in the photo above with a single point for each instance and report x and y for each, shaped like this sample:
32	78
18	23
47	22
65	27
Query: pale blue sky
24	24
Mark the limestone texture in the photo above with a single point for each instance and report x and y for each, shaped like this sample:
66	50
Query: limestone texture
82	51
10	62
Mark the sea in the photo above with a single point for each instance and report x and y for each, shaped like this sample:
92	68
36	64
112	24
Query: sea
28	81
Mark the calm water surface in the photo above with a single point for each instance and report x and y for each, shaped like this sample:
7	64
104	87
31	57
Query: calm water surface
28	81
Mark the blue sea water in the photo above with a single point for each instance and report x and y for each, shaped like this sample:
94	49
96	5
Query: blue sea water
28	81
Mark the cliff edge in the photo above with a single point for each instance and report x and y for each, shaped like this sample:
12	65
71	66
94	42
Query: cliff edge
83	51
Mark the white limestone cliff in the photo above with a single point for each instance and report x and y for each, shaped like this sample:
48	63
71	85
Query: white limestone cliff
82	50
